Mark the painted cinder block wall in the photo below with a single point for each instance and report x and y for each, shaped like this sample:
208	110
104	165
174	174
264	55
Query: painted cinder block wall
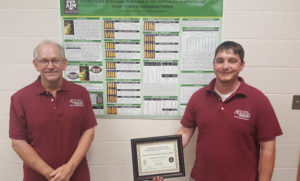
268	30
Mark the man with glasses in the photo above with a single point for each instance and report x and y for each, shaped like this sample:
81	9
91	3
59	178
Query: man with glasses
52	121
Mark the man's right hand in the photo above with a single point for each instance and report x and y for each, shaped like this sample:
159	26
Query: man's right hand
157	178
47	174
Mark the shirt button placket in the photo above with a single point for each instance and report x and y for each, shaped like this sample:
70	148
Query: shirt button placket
221	105
52	100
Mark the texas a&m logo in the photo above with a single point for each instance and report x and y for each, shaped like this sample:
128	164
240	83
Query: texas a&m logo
71	6
240	114
76	103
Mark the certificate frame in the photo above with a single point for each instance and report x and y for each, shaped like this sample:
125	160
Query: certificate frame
160	148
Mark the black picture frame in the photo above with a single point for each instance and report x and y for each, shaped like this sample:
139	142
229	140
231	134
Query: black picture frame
137	143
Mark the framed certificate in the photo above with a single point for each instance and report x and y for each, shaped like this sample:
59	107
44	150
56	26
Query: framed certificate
155	156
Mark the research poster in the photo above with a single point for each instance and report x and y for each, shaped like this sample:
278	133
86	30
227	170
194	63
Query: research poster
140	58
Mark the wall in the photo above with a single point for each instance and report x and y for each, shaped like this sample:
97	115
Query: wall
268	30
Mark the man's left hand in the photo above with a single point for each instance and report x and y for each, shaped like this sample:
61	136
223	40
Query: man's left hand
62	173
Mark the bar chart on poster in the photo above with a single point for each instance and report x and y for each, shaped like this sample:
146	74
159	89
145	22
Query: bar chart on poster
140	58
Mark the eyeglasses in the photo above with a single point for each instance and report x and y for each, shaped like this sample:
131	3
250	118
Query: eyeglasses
45	62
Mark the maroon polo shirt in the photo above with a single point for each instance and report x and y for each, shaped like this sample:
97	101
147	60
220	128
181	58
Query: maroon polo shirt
229	132
52	126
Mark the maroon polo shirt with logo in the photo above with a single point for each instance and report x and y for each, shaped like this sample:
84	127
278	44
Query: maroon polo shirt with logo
229	132
52	126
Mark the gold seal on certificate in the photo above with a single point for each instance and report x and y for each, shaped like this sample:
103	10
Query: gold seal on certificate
154	156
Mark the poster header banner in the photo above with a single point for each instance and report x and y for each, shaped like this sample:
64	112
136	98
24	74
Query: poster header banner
142	8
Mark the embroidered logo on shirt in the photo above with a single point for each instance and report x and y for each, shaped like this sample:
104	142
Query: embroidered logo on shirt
76	103
240	114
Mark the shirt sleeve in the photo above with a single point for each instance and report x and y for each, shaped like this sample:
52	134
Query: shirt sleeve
267	125
17	120
188	120
90	120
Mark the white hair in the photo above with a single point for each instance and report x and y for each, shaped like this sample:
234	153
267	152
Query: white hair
35	51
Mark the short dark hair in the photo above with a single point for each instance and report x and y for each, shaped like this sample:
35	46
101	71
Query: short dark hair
231	45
